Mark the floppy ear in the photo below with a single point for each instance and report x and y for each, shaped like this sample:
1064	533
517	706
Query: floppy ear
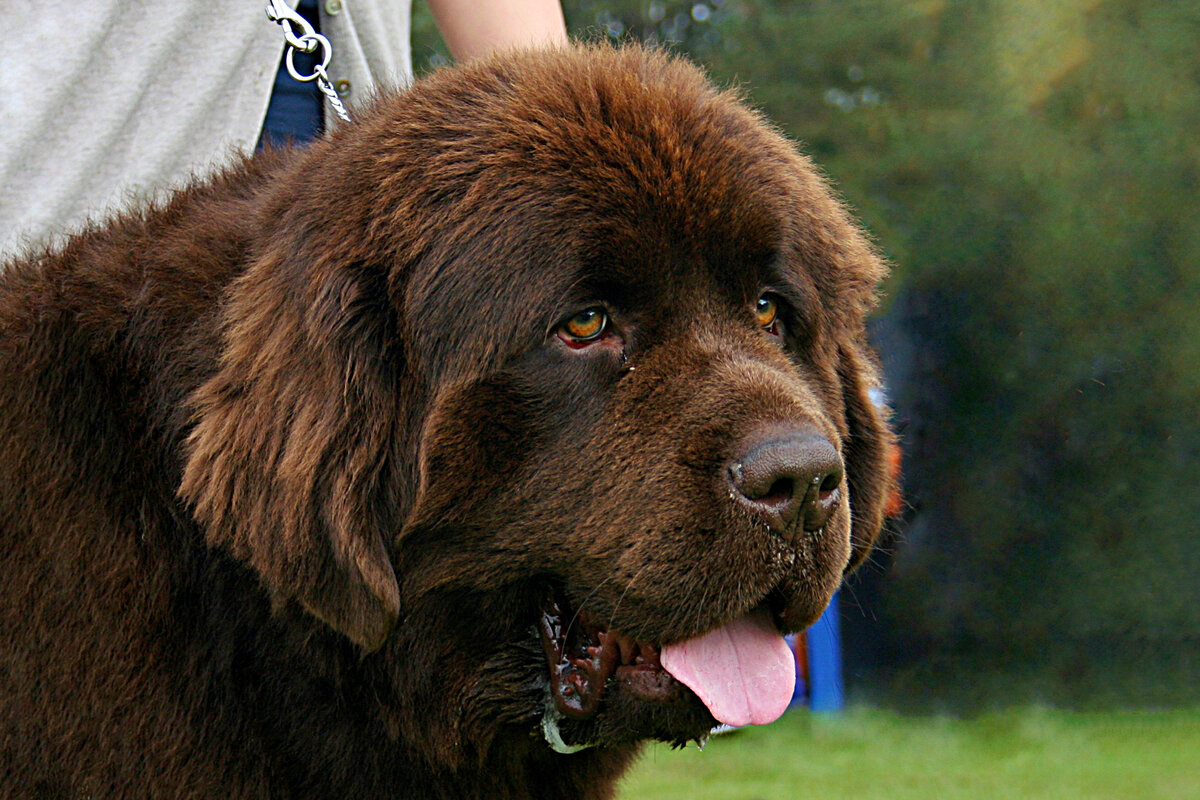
865	449
288	466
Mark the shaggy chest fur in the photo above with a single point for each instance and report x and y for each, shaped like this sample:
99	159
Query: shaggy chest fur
432	461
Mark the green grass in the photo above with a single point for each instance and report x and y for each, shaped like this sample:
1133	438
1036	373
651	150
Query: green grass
1030	754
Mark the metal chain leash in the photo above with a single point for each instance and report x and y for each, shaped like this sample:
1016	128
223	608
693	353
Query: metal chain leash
309	41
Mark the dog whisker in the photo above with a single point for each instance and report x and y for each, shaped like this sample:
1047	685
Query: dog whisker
579	608
700	608
628	586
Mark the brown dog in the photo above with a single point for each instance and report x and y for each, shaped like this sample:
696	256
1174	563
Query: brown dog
520	415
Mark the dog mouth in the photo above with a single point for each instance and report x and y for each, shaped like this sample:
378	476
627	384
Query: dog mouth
583	655
741	673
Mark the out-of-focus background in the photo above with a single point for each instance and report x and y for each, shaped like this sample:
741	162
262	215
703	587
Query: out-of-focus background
1032	169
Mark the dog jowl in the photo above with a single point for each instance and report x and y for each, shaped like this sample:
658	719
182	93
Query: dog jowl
506	428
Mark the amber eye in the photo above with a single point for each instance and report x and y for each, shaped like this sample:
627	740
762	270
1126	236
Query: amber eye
765	311
586	326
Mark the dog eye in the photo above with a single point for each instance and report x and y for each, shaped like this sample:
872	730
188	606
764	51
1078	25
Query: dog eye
766	311
585	327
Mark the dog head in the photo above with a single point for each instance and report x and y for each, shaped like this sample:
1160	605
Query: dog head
558	359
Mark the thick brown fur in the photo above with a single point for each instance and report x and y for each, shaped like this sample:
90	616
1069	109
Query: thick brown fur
290	463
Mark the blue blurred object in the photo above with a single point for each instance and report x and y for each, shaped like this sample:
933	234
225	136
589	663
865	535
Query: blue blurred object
818	652
826	692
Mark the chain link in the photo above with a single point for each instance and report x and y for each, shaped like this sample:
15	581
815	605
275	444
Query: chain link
308	41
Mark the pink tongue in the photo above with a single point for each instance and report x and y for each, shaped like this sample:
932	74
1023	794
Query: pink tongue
743	672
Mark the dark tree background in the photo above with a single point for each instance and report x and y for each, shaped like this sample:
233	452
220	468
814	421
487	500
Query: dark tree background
1032	168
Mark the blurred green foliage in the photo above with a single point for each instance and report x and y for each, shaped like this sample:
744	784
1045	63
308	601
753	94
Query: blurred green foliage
1032	167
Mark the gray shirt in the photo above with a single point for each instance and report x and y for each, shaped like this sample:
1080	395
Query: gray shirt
104	103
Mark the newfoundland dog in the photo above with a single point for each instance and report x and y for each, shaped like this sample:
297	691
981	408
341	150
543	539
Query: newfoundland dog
451	457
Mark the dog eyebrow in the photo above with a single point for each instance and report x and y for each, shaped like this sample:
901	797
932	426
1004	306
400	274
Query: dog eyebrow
607	280
797	288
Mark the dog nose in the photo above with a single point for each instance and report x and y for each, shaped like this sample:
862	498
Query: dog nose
789	477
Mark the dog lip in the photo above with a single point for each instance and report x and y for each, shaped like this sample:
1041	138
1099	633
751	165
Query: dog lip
651	683
792	616
585	654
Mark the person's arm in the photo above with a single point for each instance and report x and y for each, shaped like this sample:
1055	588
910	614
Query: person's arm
474	28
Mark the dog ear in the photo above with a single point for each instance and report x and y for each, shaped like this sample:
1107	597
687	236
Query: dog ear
865	449
288	464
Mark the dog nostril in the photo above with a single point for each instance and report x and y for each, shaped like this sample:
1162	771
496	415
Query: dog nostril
787	479
822	499
829	486
781	492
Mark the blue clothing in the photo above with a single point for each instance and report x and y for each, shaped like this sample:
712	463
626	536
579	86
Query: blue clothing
296	113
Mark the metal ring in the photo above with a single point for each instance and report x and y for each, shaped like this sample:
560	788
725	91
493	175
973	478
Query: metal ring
311	43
